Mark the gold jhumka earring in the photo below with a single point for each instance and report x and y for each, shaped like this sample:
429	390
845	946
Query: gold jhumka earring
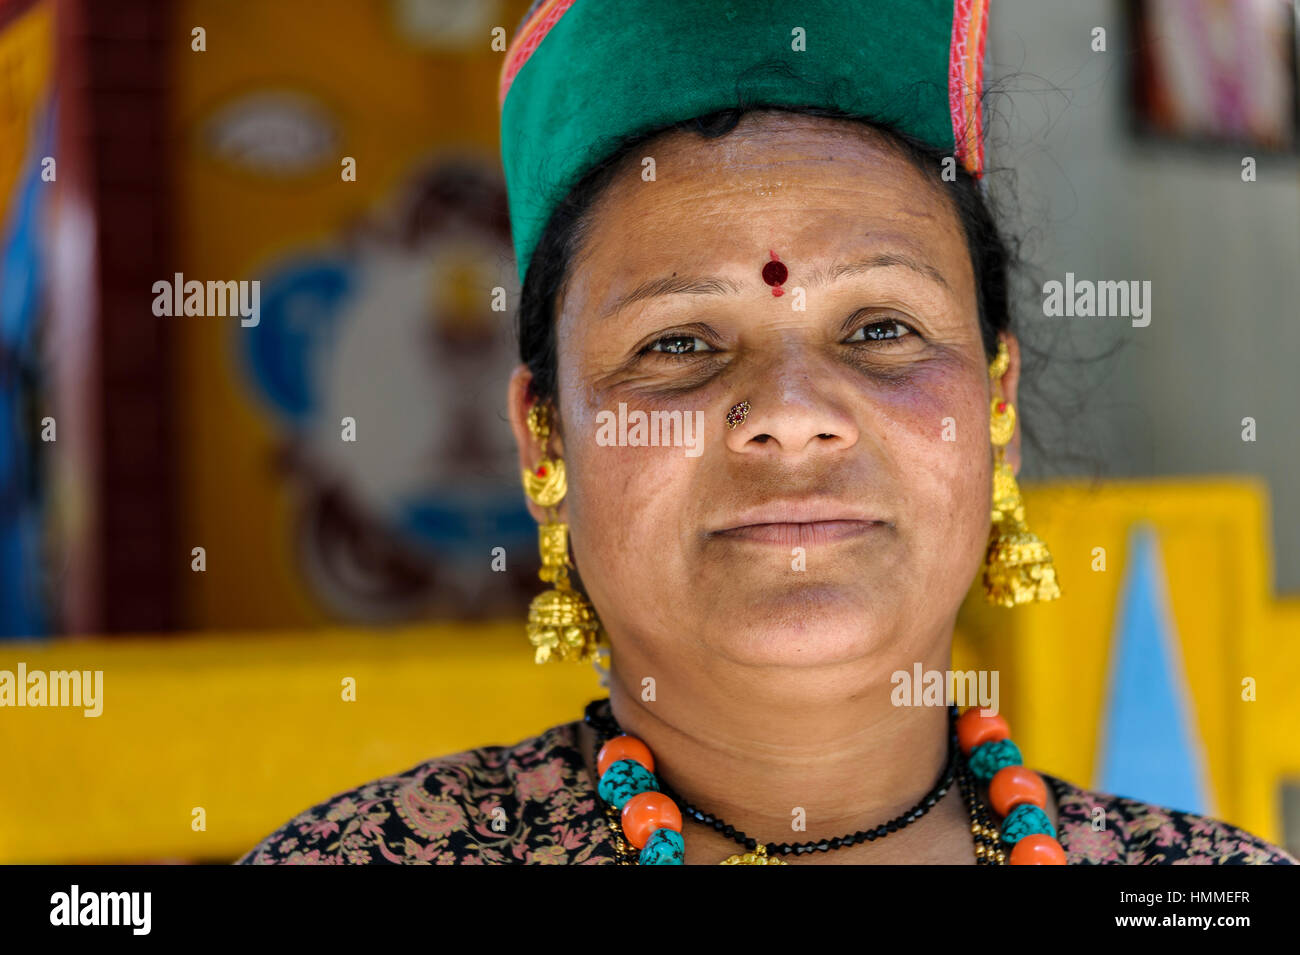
562	625
1018	567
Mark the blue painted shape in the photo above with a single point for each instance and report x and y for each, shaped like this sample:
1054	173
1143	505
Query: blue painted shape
23	279
300	305
1149	748
461	524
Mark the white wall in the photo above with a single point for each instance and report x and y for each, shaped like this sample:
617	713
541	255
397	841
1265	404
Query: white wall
1223	258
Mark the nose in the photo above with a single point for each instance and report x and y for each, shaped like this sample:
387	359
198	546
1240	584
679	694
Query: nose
797	407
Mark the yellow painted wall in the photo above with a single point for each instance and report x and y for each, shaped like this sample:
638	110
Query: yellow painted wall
1054	659
253	728
392	104
26	63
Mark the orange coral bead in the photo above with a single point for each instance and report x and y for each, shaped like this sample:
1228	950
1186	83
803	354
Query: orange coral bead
1013	785
624	747
974	730
1037	849
646	812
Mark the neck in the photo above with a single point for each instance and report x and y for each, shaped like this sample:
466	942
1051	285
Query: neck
756	749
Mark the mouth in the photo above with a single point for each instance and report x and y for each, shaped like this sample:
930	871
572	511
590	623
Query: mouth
801	534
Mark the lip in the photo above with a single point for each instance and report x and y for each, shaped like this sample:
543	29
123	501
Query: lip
798	511
797	522
804	534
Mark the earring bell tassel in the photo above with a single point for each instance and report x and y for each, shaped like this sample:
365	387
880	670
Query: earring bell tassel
1018	567
562	625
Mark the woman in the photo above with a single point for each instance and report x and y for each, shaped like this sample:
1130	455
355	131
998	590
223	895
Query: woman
774	231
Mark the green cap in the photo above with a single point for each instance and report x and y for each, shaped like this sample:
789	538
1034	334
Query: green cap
583	76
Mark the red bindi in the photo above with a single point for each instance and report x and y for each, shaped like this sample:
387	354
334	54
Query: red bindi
775	273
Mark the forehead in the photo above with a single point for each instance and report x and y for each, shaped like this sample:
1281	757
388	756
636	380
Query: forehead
815	190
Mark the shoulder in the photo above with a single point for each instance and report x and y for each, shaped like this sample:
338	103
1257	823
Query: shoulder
1102	829
528	803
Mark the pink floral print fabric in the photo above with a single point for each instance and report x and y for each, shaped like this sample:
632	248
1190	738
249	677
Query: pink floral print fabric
535	804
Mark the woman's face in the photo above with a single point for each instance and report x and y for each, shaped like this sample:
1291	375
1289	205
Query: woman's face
845	519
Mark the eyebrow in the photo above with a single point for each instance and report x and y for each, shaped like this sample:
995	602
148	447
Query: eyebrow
882	260
674	285
712	285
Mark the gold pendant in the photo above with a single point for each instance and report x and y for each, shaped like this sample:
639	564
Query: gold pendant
758	857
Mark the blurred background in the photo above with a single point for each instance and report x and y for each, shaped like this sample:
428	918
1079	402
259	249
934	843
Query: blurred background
178	509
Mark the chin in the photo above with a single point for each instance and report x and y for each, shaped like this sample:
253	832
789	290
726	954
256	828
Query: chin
809	625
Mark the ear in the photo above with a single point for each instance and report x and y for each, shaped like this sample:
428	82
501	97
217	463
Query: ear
518	402
1008	388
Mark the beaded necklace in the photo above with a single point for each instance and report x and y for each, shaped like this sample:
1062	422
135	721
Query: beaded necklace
643	815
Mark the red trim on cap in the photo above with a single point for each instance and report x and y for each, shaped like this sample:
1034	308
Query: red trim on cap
966	81
528	39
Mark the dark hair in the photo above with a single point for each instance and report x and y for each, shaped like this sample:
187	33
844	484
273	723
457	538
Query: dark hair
548	270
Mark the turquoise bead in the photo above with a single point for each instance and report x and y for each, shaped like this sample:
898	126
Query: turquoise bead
987	759
623	780
664	847
1025	820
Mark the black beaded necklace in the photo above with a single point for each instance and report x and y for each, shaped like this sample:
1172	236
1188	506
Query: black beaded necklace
987	852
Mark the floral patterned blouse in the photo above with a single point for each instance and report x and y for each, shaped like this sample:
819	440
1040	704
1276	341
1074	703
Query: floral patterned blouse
535	803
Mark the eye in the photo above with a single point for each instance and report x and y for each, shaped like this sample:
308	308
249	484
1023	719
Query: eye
678	345
888	330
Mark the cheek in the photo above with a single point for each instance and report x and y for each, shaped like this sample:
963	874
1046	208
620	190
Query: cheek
935	431
624	505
